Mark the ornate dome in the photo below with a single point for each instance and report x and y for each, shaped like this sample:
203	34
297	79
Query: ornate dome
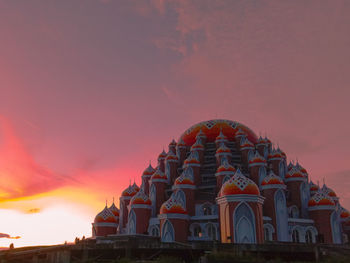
172	143
257	159
320	199
221	137
275	154
344	214
140	199
148	171
314	187
191	159
294	173
162	155
131	190
225	168
211	130
105	216
272	179
197	145
328	191
158	174
246	144
186	178
223	149
173	206
114	210
238	185
171	156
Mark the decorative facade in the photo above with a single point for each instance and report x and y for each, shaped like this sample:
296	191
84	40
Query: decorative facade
221	182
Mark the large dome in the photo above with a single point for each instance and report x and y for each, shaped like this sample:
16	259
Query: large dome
211	129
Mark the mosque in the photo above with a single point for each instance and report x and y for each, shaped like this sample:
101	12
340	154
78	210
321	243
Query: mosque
220	182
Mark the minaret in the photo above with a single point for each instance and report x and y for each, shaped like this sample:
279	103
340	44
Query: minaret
193	162
198	148
161	161
246	146
275	205
181	150
256	163
275	158
157	183
224	173
172	146
139	213
171	165
221	139
174	220
223	152
127	194
185	183
146	175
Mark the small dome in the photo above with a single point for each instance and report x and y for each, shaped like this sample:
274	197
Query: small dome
301	169
148	171
328	191
200	135
240	132
173	206
275	154
272	179
314	187
197	145
181	144
246	144
186	178
239	184
225	168
260	141
320	199
114	210
171	156
257	159
158	174
344	214
191	159
223	149
105	216
211	129
162	155
290	166
294	173
140	199
172	143
221	137
131	190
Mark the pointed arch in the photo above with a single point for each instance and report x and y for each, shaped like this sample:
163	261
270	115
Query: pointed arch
180	195
336	232
167	171
262	174
250	154
266	152
244	224
282	169
168	234
132	222
210	231
281	215
304	197
153	197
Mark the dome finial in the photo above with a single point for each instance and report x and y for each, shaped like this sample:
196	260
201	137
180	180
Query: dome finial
106	202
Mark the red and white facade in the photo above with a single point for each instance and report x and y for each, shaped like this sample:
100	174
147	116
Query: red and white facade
221	182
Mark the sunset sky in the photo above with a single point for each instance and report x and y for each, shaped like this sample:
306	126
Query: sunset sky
91	91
